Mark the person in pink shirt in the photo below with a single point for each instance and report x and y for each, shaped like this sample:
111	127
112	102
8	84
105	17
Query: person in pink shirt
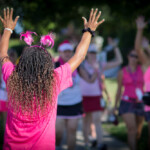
131	109
142	43
33	85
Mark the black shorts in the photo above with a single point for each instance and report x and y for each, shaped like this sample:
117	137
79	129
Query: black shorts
128	107
70	111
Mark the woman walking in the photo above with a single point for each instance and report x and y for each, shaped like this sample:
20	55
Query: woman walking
131	106
90	82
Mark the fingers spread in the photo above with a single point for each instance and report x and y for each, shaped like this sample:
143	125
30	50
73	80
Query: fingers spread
11	14
7	12
16	19
91	14
100	22
84	19
99	14
93	17
4	14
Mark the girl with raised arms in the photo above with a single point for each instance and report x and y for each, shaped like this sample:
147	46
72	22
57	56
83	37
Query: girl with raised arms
33	85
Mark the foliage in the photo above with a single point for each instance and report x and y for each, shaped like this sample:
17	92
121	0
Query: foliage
55	14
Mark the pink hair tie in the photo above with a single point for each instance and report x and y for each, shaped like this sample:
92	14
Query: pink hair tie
47	40
27	37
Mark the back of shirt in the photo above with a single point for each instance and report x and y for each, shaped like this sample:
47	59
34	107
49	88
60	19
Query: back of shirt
23	132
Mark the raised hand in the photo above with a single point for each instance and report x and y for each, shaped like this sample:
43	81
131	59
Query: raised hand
93	20
8	21
140	22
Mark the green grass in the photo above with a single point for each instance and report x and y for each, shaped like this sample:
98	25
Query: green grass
111	86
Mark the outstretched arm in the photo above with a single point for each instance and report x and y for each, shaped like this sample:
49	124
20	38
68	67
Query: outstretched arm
140	23
82	48
9	26
116	62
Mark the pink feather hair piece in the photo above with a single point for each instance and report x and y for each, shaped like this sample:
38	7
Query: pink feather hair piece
28	37
47	40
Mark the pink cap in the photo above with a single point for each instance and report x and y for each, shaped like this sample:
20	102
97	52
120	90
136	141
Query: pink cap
65	45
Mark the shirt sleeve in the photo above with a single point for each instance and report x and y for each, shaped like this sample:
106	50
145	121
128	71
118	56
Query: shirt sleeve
63	77
7	70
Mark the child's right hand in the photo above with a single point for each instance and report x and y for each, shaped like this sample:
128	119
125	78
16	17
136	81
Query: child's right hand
93	20
8	21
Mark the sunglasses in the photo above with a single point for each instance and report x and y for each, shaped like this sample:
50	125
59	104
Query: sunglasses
133	56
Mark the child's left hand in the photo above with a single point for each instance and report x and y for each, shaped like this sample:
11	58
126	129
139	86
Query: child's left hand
8	21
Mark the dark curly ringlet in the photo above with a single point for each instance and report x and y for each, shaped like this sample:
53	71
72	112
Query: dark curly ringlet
31	86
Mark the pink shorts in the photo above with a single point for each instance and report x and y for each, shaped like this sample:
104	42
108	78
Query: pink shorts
3	106
92	103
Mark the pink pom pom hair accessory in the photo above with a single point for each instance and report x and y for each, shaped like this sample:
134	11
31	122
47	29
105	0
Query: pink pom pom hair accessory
27	37
46	40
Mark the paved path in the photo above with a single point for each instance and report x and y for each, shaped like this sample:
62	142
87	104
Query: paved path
112	143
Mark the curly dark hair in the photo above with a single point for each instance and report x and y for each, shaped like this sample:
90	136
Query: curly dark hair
32	84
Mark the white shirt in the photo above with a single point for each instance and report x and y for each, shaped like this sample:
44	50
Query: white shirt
71	95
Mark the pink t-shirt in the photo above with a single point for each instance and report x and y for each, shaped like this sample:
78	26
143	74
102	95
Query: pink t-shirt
131	82
147	86
38	134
